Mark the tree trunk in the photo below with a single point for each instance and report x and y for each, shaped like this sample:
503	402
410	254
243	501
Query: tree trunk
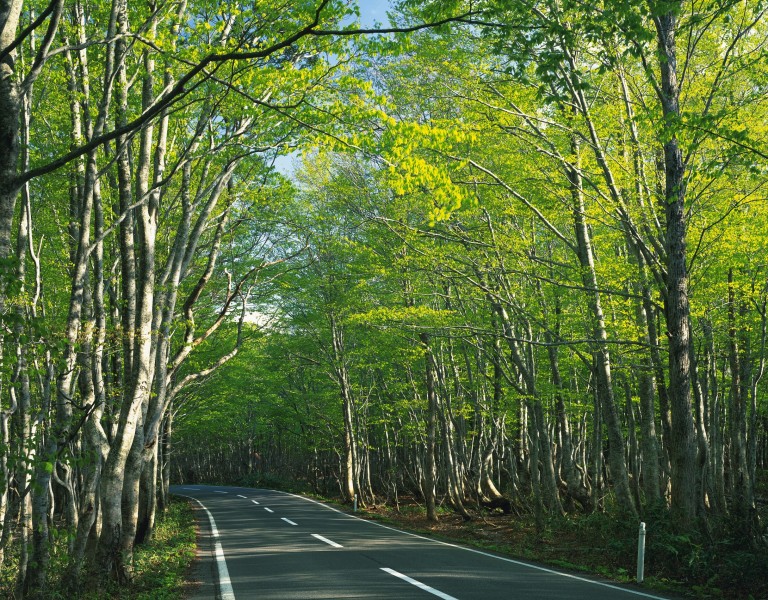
576	484
682	447
351	484
164	460
743	506
430	469
646	390
10	104
604	387
453	465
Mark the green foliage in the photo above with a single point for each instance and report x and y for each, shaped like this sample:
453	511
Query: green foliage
161	566
439	189
275	481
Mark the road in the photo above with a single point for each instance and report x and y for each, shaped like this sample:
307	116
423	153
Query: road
276	546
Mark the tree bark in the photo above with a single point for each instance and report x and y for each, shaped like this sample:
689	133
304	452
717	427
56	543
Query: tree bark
430	469
604	381
682	448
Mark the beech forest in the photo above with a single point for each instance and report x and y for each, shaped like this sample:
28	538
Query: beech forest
490	255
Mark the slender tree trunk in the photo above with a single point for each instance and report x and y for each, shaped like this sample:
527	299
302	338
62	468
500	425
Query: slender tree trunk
546	482
445	413
596	464
752	419
632	444
430	469
682	445
10	105
137	397
576	484
34	580
120	479
535	473
704	475
742	489
646	390
350	439
164	459
485	454
600	353
717	454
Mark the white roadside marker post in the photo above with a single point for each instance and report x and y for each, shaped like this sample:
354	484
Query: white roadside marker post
354	507
641	553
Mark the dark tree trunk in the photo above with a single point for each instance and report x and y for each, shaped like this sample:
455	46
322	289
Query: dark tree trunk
682	445
431	467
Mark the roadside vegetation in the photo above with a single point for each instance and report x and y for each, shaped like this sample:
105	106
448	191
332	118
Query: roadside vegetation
161	566
601	544
604	546
520	260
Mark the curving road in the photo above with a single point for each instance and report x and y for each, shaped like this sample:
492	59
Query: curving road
276	546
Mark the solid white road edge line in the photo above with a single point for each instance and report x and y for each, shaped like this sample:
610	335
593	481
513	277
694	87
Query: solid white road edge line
419	585
474	551
326	540
225	584
268	509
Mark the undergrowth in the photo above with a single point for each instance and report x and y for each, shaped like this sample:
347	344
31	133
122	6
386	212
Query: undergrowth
706	563
161	566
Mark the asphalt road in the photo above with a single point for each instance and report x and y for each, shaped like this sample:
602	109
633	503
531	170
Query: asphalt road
276	546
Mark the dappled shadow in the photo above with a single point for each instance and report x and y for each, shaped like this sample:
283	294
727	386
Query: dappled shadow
269	558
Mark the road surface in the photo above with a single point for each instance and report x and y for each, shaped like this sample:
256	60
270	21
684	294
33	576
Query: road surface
277	546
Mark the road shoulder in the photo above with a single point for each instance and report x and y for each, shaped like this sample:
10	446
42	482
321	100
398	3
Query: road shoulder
202	583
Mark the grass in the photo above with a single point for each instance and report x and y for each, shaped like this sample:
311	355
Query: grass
605	544
602	544
161	566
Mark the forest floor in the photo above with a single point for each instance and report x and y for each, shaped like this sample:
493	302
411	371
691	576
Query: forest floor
601	545
162	567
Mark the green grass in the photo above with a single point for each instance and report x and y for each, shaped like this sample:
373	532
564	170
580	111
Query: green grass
605	544
161	566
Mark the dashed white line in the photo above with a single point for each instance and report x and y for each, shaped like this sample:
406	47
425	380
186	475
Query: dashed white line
219	492
254	501
289	521
419	585
191	489
243	497
481	553
268	509
326	540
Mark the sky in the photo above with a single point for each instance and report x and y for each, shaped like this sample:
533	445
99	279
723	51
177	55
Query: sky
373	10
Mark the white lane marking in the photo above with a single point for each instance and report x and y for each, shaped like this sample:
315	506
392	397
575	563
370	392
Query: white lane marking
327	541
192	489
254	501
225	584
243	497
418	584
289	521
219	492
268	509
480	552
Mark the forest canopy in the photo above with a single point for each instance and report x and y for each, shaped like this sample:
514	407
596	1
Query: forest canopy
520	256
